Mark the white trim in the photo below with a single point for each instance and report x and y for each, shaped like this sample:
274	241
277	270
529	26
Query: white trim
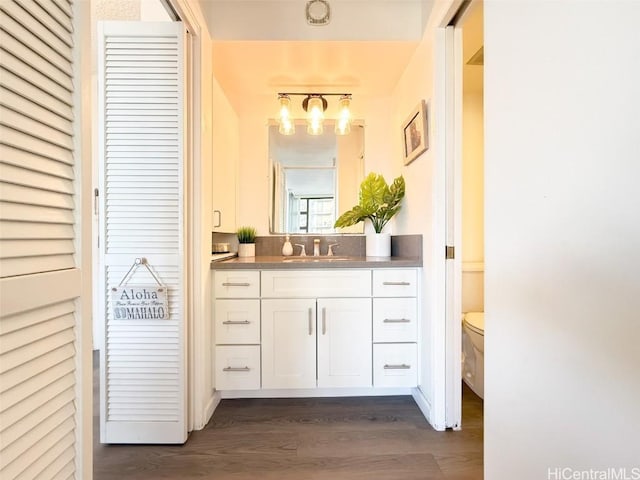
425	407
82	105
200	403
211	406
315	392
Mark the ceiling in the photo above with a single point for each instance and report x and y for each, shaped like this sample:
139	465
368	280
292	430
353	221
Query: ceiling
267	67
264	47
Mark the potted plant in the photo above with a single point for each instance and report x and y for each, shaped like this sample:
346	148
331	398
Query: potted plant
379	202
247	242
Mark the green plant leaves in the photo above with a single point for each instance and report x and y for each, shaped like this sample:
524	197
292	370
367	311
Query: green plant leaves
379	202
246	235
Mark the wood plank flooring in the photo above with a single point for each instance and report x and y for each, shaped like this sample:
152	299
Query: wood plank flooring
382	438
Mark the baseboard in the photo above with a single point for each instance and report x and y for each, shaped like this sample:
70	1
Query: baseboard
425	407
315	392
211	406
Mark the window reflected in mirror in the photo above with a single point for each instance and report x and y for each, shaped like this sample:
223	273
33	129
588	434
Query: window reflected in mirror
314	179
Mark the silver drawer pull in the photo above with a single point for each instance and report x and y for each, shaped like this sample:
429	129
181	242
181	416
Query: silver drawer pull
236	369
236	284
310	321
236	322
396	320
324	320
397	284
402	366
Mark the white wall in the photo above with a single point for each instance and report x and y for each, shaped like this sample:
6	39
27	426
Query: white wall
562	165
472	178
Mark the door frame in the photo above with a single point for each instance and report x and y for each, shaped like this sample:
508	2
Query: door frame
448	67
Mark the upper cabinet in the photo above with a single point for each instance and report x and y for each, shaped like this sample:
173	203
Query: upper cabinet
226	152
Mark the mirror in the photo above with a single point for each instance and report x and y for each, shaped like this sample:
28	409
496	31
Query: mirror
314	178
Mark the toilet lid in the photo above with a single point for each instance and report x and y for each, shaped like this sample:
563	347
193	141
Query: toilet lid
475	321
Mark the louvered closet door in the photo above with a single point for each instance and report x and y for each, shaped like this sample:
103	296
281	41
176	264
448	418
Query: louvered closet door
40	282
143	375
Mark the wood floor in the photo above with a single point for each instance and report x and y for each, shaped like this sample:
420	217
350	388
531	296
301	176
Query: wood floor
382	438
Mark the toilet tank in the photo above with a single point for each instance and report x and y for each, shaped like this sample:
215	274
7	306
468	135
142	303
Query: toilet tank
472	287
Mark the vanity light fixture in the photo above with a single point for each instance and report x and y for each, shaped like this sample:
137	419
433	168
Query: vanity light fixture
315	105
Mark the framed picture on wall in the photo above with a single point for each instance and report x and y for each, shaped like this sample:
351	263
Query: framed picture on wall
415	134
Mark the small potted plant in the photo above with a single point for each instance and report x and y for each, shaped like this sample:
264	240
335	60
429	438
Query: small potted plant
247	242
379	202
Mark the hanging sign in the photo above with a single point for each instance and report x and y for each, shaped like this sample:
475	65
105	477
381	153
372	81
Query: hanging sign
140	302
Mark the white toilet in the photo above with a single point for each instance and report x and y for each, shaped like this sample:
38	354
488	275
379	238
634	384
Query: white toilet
473	326
473	351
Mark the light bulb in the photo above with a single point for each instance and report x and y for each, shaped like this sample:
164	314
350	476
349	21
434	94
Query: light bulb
287	125
315	115
343	123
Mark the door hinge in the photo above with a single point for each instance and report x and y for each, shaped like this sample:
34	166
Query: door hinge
450	252
96	196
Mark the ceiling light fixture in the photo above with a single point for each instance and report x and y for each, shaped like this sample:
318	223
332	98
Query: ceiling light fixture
315	105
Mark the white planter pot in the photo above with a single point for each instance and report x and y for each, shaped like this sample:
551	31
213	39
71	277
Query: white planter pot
246	249
378	245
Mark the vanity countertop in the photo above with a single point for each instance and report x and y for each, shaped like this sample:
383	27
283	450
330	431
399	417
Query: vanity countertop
280	262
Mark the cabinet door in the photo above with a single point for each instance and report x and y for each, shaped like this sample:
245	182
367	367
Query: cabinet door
289	343
226	154
344	342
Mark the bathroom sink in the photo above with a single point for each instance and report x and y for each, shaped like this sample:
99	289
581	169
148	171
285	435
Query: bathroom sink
315	259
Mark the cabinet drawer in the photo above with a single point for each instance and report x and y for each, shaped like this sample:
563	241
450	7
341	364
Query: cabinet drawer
316	283
395	283
237	321
395	320
238	367
395	365
236	284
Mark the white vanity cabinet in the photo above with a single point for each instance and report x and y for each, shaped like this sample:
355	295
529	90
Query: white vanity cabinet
324	329
395	328
322	340
237	330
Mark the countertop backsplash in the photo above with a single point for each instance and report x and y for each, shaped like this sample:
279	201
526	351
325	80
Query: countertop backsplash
347	245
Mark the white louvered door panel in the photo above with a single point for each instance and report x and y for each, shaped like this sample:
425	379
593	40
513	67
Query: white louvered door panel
39	284
143	373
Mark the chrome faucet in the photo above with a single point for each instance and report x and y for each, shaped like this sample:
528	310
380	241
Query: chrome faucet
302	252
330	251
316	247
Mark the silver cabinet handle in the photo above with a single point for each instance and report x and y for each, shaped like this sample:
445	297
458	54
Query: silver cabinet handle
219	223
324	320
401	284
310	321
236	369
236	284
236	322
402	366
396	320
